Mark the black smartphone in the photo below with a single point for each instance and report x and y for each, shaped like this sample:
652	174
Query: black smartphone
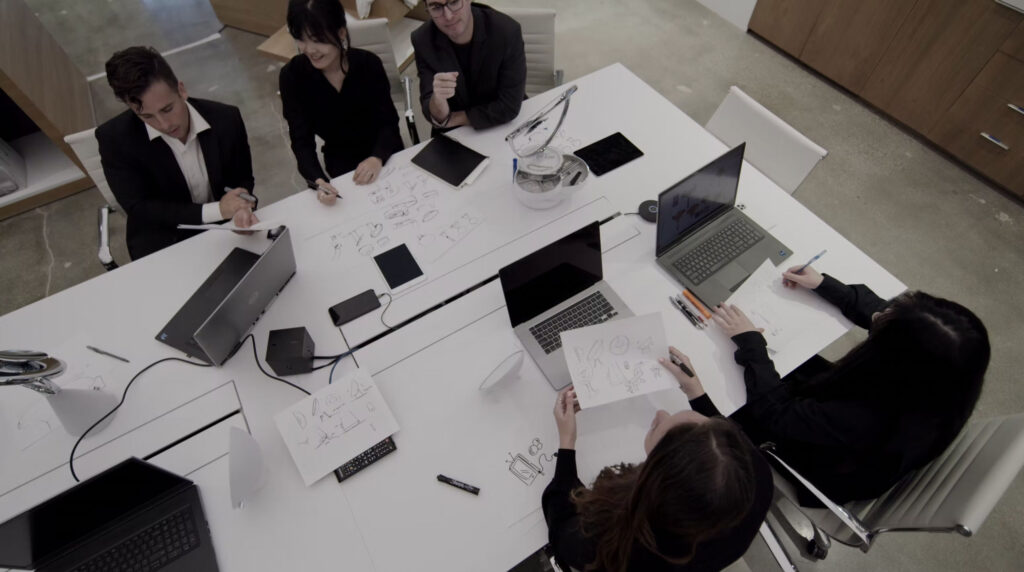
348	310
399	268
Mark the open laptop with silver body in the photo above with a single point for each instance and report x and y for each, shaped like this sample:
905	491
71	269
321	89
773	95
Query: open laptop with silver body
703	240
555	289
213	322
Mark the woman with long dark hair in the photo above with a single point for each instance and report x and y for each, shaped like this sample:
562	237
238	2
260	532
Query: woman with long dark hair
695	503
892	404
339	93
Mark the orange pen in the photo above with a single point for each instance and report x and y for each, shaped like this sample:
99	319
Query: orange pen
696	304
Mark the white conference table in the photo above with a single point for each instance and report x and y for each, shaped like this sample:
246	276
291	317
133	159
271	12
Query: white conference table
384	518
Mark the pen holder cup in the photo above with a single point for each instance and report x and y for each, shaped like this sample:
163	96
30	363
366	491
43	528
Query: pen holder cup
541	191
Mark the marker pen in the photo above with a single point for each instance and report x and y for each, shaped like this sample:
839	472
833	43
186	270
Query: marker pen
458	484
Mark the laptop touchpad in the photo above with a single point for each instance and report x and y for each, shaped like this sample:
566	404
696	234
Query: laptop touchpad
731	276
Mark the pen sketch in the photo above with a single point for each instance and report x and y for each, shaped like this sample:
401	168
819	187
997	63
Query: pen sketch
406	205
617	359
35	422
527	467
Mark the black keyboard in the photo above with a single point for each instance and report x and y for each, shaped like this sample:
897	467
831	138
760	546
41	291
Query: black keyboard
150	549
718	250
593	309
365	459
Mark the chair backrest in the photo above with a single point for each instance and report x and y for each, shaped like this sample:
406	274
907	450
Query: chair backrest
373	36
85	145
778	150
539	42
957	490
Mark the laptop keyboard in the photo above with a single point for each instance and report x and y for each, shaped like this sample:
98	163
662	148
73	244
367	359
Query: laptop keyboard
594	309
151	549
718	250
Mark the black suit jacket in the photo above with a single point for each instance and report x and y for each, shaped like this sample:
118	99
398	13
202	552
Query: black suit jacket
496	83
146	179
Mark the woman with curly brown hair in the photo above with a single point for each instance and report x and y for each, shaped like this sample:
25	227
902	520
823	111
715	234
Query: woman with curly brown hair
695	503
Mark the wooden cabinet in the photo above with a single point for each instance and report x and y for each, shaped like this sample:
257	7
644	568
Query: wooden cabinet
786	23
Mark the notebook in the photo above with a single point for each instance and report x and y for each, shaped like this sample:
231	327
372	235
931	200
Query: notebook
450	161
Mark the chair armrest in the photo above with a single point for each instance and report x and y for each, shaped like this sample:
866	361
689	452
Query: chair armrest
106	259
848	519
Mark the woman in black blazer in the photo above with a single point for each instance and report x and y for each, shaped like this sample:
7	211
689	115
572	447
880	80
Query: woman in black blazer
695	503
892	404
341	94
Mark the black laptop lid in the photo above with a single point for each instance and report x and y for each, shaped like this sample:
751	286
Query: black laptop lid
58	524
553	274
689	204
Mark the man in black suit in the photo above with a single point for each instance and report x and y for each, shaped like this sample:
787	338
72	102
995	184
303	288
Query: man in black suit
472	65
169	159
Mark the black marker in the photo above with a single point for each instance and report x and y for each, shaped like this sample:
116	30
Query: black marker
575	178
458	484
679	363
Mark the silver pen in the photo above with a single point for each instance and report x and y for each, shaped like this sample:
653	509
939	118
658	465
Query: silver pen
108	354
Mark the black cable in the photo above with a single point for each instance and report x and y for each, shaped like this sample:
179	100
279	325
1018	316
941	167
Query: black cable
385	310
256	357
328	364
124	394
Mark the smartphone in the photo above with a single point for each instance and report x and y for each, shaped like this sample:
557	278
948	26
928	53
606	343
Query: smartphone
399	268
348	310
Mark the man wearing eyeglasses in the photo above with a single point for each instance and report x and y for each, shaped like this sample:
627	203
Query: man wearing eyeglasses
471	64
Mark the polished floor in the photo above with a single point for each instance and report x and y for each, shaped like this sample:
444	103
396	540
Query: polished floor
931	223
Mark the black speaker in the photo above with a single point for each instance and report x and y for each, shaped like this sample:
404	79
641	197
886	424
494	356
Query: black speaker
290	351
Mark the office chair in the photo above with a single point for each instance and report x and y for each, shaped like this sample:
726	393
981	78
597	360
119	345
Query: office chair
778	150
539	43
87	149
373	36
953	493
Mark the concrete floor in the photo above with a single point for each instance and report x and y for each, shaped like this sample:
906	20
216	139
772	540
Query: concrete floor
931	223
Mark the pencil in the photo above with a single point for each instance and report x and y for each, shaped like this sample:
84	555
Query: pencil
696	304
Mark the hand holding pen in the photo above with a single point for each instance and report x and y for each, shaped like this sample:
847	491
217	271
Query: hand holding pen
325	193
680	367
803	275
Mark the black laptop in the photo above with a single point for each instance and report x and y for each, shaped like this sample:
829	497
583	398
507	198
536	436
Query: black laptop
213	322
703	240
133	516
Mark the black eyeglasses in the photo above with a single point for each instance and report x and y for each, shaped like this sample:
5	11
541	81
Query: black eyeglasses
437	8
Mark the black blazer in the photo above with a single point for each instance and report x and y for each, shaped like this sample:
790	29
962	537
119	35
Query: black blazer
148	183
356	123
496	83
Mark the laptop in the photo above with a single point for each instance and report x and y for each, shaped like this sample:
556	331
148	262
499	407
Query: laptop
213	322
555	289
133	516
703	240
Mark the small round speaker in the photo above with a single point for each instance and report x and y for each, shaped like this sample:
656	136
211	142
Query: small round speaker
648	210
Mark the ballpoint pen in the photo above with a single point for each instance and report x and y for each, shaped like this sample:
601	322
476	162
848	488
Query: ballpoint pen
515	168
696	316
683	311
811	261
245	196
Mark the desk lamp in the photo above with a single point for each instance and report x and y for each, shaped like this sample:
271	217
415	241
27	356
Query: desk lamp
76	409
544	172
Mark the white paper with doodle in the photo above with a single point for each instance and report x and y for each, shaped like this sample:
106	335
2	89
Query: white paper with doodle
617	360
330	427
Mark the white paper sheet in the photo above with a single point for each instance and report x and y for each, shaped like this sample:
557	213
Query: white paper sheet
617	360
330	427
784	314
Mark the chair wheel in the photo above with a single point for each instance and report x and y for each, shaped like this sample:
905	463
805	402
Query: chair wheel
816	551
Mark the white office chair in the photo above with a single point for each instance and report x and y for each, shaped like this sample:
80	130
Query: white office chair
87	149
539	43
373	36
953	493
778	150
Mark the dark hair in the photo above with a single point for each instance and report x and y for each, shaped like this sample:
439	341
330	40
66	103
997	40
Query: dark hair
697	482
924	359
131	71
320	20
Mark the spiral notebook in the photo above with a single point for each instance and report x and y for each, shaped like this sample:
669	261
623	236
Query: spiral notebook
450	161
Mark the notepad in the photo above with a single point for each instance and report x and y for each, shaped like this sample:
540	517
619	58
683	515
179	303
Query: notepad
450	161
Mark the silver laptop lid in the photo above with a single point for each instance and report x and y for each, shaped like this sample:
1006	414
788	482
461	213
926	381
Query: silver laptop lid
232	320
688	205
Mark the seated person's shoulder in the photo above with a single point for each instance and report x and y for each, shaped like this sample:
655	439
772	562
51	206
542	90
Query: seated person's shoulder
501	24
118	127
215	112
423	34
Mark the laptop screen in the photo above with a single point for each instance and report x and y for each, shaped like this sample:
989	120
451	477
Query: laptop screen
87	508
687	205
553	274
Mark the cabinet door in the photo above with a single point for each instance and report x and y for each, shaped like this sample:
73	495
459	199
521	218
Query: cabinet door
940	48
850	37
992	107
785	23
1014	45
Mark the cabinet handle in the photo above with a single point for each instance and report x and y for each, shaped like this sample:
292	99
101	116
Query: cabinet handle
992	139
1016	108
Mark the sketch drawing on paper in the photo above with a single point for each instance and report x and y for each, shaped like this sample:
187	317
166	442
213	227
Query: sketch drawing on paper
38	420
527	467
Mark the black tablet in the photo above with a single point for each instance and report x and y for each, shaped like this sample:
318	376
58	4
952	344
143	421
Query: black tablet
609	153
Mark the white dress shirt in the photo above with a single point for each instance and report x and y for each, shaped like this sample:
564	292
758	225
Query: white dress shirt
189	156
